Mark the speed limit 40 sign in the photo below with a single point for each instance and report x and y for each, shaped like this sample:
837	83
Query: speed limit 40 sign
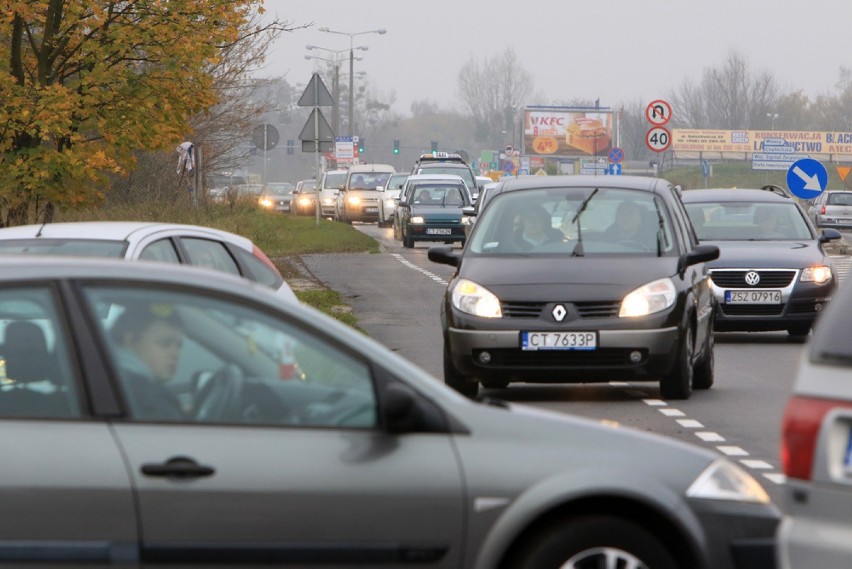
658	138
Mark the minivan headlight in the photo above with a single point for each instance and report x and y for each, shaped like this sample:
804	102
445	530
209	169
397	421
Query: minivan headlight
474	299
818	275
648	299
724	480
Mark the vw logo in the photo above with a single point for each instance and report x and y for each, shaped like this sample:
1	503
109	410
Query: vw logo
752	278
559	312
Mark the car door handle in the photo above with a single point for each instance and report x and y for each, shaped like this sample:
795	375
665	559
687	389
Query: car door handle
178	467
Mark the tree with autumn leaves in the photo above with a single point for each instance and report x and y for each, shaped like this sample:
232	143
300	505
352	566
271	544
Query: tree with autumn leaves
86	83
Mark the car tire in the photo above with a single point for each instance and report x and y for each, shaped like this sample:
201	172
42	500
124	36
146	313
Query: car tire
702	375
495	383
592	541
468	387
677	383
407	241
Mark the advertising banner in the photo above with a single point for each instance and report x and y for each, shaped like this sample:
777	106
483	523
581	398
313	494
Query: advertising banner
768	145
567	131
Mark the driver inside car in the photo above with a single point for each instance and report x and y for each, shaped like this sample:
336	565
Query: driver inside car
148	340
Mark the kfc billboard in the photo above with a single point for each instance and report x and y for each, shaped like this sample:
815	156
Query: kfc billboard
567	131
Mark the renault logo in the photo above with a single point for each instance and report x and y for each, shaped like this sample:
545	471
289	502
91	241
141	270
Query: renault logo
752	278
559	312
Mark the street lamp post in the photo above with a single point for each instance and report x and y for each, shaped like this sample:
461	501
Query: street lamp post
335	82
352	35
772	117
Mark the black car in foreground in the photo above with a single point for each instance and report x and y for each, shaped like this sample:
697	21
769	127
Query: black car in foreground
772	272
579	279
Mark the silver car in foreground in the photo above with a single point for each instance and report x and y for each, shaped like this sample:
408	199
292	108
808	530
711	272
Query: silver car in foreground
267	433
816	450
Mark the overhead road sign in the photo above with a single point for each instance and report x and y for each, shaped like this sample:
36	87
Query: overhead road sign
807	178
658	112
265	137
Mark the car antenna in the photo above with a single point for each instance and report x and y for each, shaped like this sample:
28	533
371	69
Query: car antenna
578	248
40	229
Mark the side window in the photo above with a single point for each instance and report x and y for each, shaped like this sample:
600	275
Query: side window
182	357
209	254
260	271
36	373
162	250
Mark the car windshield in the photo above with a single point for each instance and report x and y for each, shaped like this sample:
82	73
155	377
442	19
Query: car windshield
744	221
332	181
64	247
462	171
446	195
280	189
546	221
368	180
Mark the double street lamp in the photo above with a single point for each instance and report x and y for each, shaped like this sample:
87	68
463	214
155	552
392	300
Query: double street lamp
352	35
772	117
335	86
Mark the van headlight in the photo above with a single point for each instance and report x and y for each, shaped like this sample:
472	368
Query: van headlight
724	480
648	299
354	200
474	299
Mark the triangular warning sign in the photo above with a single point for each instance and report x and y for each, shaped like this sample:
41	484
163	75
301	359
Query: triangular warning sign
843	171
316	94
317	129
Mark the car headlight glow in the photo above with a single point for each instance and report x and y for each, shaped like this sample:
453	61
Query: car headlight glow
265	202
327	201
724	480
648	299
305	201
417	219
354	200
819	274
474	299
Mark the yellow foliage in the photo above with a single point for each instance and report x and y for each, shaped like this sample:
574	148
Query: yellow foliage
128	77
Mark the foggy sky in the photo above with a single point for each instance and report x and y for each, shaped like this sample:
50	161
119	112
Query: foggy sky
619	51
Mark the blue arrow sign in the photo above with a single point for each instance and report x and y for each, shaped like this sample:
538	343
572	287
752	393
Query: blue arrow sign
807	178
614	170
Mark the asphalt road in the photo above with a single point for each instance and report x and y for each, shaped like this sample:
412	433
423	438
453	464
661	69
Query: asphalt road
396	296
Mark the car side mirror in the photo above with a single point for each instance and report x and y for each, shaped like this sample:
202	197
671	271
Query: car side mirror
468	210
701	254
829	235
444	255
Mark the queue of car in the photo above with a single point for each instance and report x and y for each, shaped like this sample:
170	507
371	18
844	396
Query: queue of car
559	279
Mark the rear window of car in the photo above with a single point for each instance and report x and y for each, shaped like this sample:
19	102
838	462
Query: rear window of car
64	247
839	199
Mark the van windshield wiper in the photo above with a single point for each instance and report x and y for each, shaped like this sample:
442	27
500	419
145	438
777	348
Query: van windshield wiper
578	248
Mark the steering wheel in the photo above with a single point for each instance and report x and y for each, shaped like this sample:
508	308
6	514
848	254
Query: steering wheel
220	398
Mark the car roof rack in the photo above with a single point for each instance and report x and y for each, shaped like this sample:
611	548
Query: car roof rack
776	190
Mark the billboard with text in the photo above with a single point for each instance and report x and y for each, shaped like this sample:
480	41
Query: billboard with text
567	131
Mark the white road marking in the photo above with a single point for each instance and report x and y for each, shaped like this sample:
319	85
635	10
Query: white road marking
690	424
757	464
775	477
671	412
655	402
732	451
709	437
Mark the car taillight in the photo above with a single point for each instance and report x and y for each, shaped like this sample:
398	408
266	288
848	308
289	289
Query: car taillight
822	211
266	260
803	419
